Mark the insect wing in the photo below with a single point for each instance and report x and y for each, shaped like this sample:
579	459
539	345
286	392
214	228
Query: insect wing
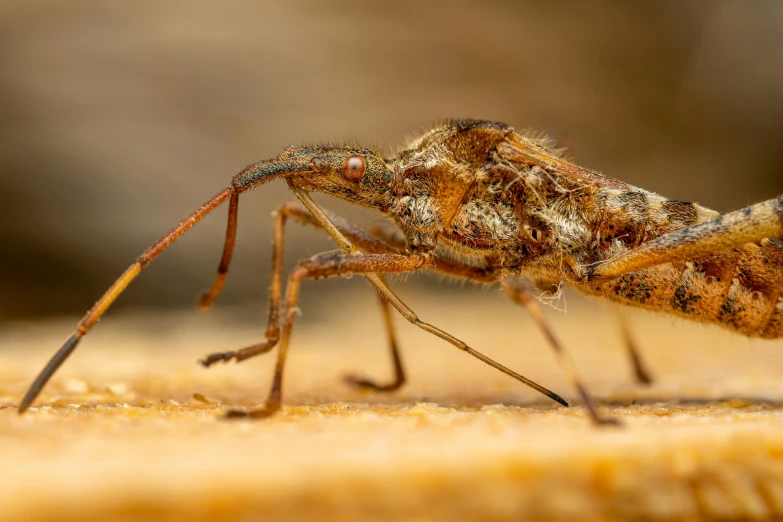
519	149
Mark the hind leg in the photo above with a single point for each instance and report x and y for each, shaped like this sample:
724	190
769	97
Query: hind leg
749	225
640	372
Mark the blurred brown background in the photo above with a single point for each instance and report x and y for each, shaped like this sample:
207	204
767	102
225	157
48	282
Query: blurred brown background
118	119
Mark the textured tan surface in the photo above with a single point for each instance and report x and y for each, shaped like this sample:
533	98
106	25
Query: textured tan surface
118	433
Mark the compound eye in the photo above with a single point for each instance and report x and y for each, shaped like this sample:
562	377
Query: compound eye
354	168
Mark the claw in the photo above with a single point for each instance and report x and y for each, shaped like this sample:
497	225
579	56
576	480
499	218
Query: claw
239	355
216	357
357	382
261	413
367	384
608	421
236	414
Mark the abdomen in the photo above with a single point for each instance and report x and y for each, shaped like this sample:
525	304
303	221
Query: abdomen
738	289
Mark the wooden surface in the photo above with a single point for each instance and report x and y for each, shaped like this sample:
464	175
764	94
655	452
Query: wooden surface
118	434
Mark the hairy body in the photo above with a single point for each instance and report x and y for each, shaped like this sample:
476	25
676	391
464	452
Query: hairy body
477	200
482	194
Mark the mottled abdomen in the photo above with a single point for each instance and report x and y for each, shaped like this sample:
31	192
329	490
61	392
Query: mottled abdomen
739	289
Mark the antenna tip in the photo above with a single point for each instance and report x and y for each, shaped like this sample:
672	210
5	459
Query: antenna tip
51	367
26	402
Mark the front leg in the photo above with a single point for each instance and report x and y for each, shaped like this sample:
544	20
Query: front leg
377	240
371	265
290	210
329	264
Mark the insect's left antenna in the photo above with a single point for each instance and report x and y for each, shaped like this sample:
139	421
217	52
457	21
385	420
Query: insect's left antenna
250	176
95	313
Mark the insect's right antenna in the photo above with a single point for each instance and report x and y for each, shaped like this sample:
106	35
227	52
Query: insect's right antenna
210	295
248	177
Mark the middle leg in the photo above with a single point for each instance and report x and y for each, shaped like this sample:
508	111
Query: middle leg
296	211
399	370
378	240
371	265
520	290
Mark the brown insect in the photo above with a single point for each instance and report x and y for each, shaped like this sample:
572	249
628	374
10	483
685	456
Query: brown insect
474	199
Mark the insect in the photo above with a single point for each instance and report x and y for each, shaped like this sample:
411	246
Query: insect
477	200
